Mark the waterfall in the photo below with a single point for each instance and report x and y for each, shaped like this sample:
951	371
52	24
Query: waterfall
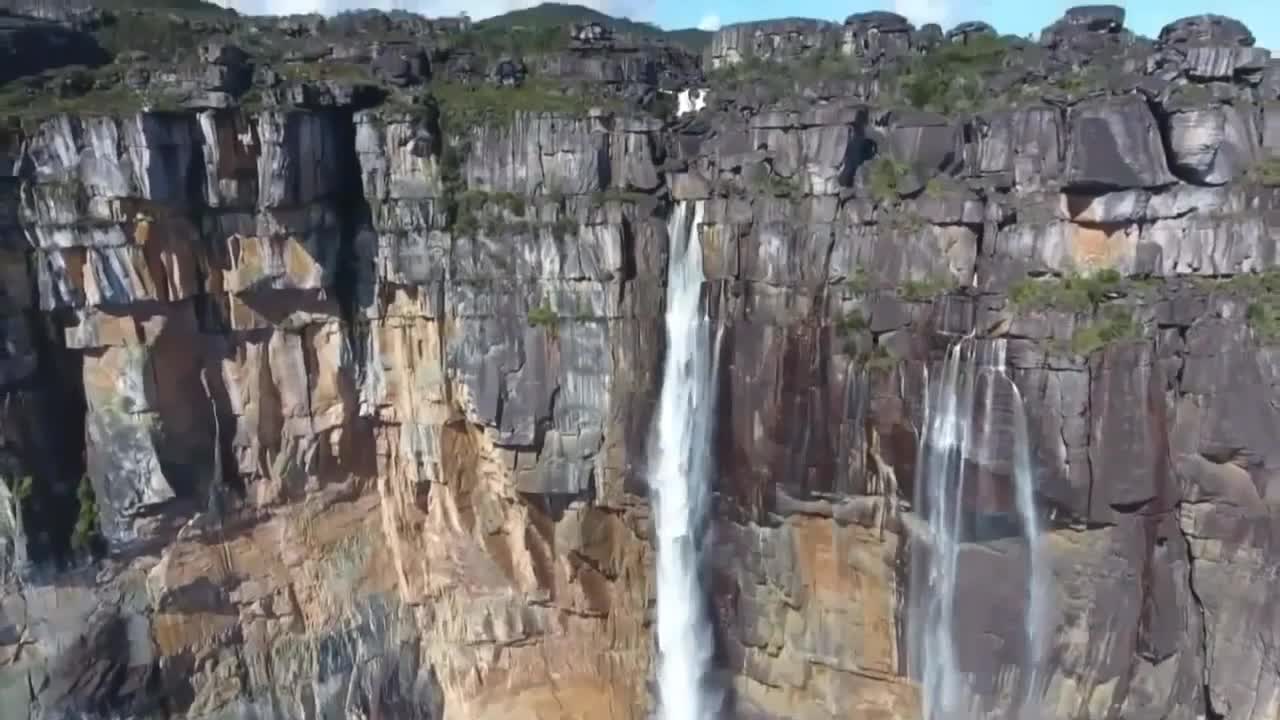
679	479
974	438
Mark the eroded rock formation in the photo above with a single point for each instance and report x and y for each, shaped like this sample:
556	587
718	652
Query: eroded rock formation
329	361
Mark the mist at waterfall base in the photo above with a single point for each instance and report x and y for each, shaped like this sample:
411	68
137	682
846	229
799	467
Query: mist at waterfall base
679	481
974	438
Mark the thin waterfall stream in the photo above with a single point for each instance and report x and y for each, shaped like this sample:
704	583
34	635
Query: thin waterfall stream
974	438
679	480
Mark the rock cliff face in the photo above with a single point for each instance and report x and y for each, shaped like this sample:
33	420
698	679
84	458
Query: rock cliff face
328	375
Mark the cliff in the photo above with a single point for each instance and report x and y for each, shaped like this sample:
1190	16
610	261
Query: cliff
331	350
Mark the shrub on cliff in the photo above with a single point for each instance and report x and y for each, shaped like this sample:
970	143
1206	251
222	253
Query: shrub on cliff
543	315
464	107
886	177
164	36
1076	293
953	77
1266	172
1114	323
85	534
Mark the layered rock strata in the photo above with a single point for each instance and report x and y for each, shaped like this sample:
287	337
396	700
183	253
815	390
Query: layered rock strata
320	403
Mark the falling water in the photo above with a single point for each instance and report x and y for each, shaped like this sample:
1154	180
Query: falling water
679	481
967	435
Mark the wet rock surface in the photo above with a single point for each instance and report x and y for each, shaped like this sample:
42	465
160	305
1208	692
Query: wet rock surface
331	348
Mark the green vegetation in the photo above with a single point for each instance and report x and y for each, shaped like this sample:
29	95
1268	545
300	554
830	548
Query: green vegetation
886	177
189	6
781	77
856	341
1077	293
859	281
755	73
849	326
74	90
543	315
876	359
765	182
165	36
21	488
924	290
560	15
1263	317
491	42
318	71
85	533
474	210
953	77
24	489
1080	82
620	196
1266	172
1262	290
483	105
1088	293
1114	323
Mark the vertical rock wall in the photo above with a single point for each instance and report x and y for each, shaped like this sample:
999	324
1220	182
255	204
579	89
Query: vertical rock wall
359	402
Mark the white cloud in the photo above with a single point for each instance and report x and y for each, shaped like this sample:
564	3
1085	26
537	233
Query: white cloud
477	9
709	22
922	12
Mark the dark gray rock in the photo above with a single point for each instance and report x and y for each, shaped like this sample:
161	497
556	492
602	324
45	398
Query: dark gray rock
216	52
29	47
508	73
1206	30
1271	130
881	20
767	40
876	34
1128	446
928	37
1211	144
1269	85
1096	18
966	30
401	64
591	34
1115	143
928	142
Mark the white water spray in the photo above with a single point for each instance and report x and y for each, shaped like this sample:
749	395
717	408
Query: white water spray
965	434
679	480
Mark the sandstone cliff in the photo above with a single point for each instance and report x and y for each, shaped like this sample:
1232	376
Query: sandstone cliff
331	351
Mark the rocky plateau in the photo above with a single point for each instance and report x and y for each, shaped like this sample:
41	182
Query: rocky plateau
330	347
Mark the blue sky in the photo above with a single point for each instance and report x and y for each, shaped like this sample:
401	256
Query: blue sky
1008	16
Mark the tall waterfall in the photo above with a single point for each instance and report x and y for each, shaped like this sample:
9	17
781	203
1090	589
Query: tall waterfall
679	479
974	438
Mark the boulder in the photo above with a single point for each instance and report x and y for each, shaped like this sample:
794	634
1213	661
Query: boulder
927	37
1115	143
1211	144
508	73
1271	130
881	20
1096	18
29	47
1206	30
216	52
401	64
766	40
926	141
876	33
1269	86
590	33
965	30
